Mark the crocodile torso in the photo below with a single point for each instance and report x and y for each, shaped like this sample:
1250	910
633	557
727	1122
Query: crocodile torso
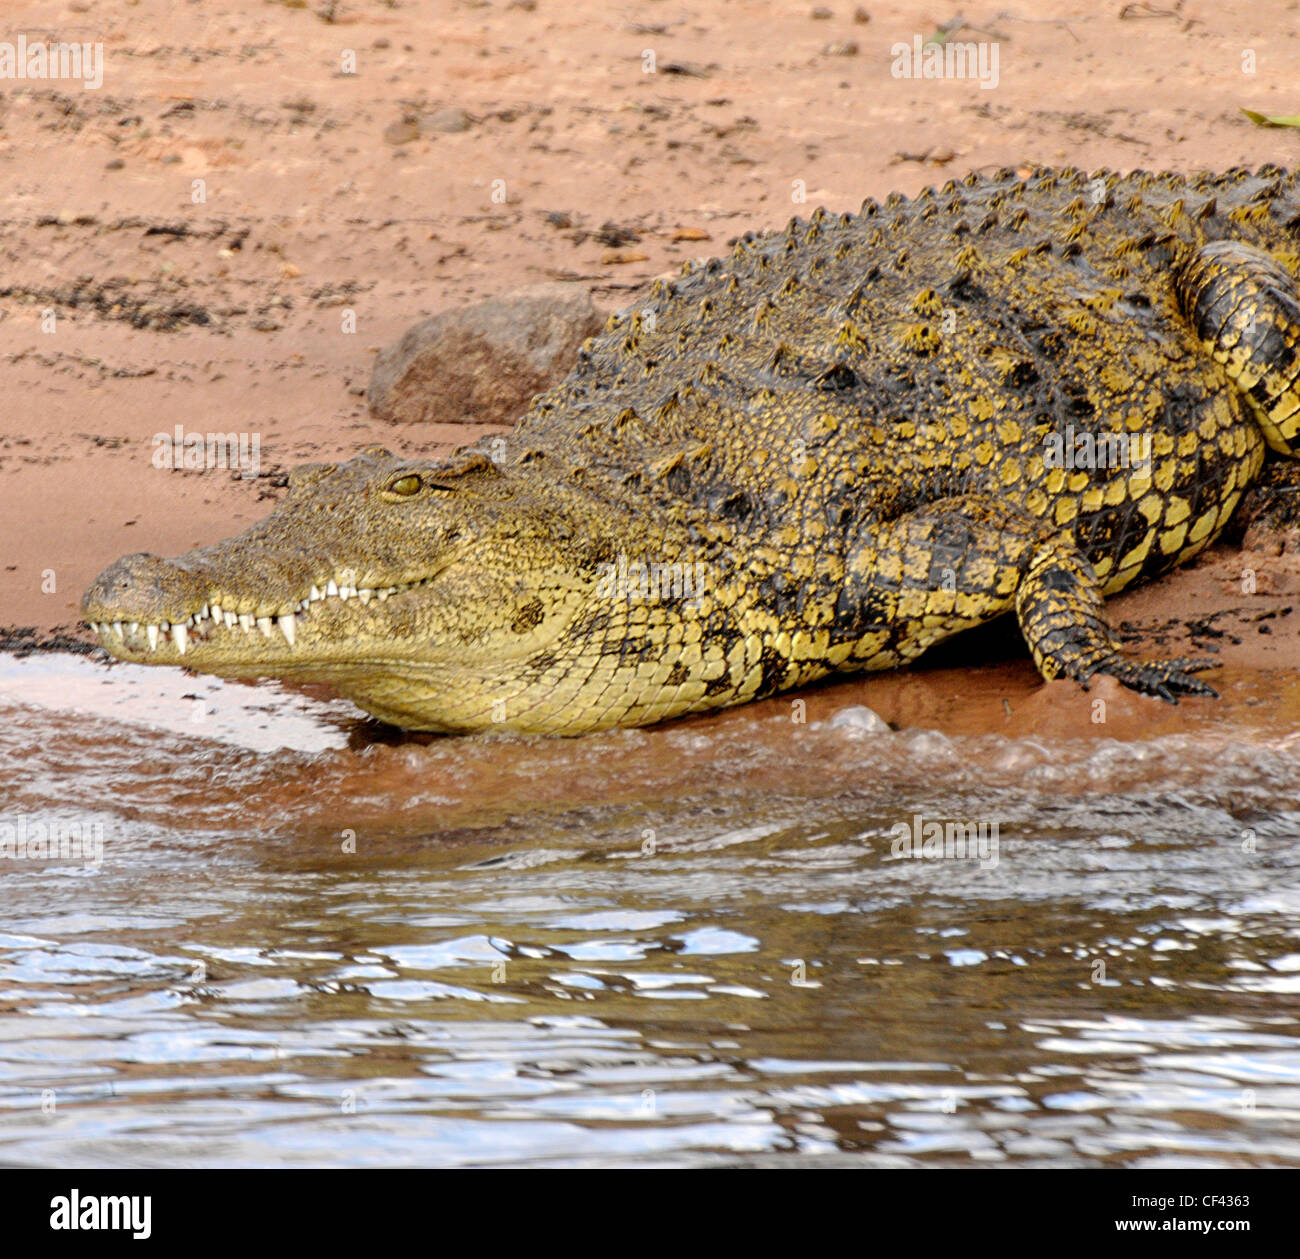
840	445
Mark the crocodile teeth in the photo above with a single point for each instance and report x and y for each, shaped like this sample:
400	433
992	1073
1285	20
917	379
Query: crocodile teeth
268	624
151	632
180	636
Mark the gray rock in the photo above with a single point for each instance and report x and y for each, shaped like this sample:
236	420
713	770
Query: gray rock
481	364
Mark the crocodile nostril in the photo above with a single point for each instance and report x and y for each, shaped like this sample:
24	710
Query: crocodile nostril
142	587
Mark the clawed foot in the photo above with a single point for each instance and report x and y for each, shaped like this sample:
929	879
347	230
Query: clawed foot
1167	679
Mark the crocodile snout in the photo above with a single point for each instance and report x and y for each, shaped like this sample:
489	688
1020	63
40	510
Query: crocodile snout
144	588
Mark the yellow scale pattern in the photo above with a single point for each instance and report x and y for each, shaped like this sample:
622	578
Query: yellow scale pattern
871	401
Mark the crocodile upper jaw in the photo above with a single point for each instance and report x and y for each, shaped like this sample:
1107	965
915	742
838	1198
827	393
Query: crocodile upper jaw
153	611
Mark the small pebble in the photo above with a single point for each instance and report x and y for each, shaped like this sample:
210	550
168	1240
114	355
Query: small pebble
860	720
446	120
401	132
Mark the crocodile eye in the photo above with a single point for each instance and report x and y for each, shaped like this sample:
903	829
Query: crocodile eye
405	485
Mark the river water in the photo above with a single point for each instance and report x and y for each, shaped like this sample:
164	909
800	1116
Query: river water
310	940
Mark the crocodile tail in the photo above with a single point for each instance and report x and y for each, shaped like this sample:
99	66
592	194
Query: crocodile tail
1244	307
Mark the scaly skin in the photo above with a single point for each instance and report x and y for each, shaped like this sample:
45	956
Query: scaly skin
835	446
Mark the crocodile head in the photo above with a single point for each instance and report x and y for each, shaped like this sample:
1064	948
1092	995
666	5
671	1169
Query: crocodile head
418	589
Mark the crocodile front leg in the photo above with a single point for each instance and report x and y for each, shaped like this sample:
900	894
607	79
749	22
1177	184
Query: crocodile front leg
1062	615
949	565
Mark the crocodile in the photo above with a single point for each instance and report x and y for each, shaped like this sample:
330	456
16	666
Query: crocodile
843	443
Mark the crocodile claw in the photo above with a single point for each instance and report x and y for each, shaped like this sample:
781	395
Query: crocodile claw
1166	679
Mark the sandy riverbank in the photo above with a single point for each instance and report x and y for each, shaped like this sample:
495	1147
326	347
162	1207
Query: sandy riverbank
328	192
